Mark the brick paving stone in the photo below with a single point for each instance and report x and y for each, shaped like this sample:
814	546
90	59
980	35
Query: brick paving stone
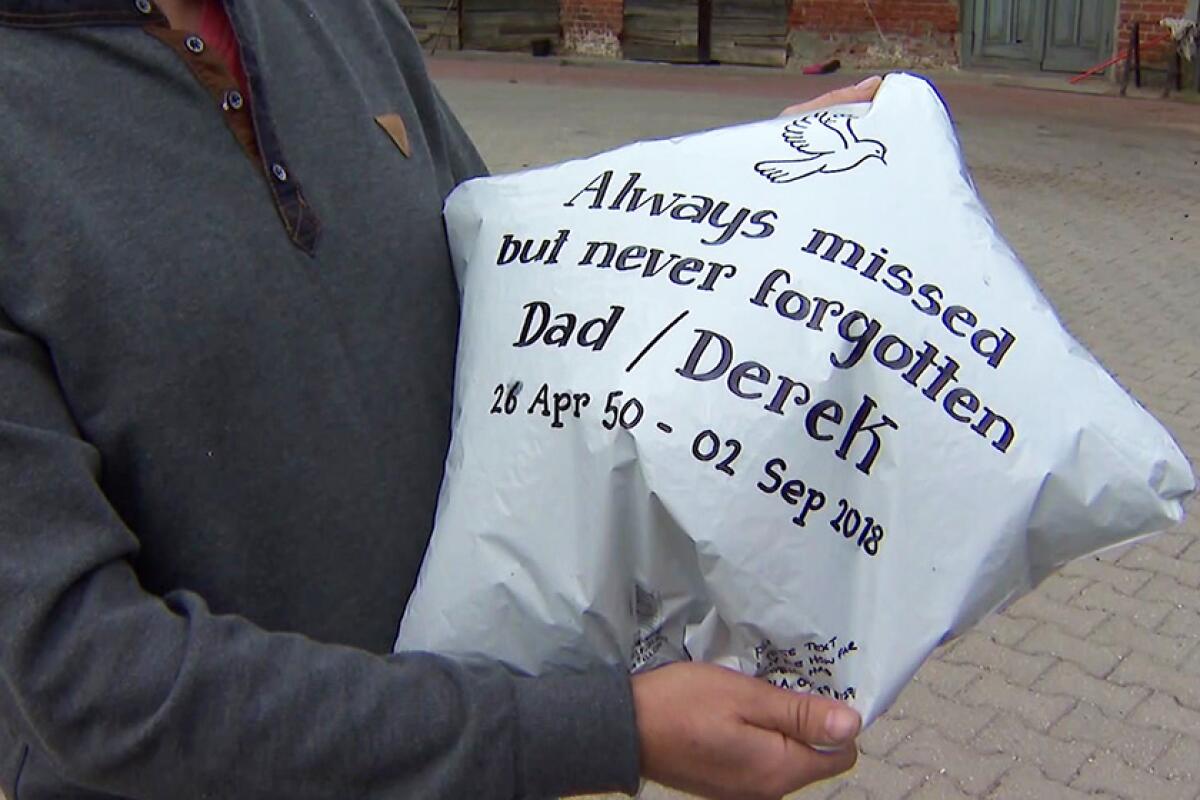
1147	558
947	648
1017	667
1061	587
1191	663
1006	629
1027	783
1111	555
1056	758
938	787
1181	761
1120	632
1138	745
882	780
1070	617
1110	697
1050	640
1124	580
1160	710
972	772
887	732
1140	670
1165	589
958	721
818	791
1192	553
1143	611
1039	711
1181	623
850	793
947	678
1172	544
1108	773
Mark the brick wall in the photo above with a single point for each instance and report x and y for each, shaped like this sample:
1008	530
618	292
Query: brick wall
592	27
918	32
915	31
914	27
1148	12
903	17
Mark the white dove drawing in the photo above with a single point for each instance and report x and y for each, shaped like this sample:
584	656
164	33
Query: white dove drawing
828	144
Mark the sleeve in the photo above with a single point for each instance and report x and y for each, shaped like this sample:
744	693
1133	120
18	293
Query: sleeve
150	697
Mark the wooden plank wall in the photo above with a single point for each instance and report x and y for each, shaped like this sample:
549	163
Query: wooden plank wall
741	31
662	30
430	20
510	24
750	32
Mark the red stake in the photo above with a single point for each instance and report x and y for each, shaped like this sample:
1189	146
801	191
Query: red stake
1119	57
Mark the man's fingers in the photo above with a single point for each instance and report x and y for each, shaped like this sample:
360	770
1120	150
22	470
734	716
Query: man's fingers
792	764
807	718
807	765
716	733
862	92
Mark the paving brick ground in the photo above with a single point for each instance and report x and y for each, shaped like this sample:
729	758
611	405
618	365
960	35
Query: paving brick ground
1090	687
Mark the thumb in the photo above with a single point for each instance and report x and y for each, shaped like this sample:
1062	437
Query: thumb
808	718
862	92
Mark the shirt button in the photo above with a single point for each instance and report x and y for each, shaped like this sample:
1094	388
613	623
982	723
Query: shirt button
195	44
233	100
144	6
279	172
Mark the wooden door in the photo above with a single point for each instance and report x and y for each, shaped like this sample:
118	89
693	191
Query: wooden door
1008	29
750	32
435	22
509	24
666	30
1078	34
1053	35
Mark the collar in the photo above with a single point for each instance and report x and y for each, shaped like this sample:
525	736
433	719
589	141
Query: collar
302	224
75	13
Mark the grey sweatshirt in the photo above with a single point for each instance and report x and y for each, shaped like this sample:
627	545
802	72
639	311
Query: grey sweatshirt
225	375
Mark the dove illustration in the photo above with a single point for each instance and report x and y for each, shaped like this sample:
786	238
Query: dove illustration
828	144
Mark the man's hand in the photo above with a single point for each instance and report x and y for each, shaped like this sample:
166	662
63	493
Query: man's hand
722	735
862	92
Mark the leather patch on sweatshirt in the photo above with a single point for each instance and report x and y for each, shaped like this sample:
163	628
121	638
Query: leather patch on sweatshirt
394	125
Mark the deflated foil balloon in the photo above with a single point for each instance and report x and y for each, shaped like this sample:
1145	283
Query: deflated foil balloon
776	396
